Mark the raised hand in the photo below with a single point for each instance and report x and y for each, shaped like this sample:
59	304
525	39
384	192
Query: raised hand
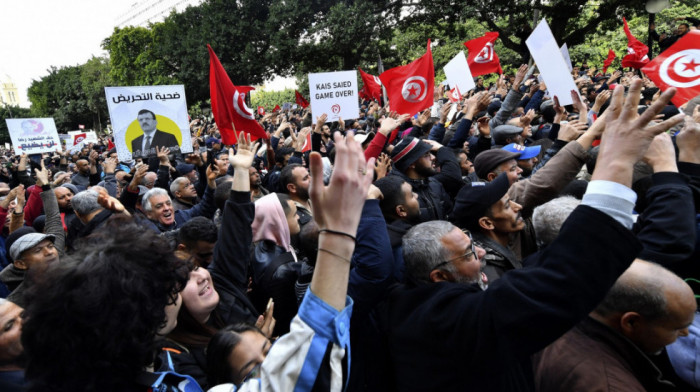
162	154
266	322
110	203
42	176
627	136
383	165
245	153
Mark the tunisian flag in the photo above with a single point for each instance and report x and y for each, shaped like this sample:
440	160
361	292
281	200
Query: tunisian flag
372	85
454	95
609	60
482	57
301	101
679	67
636	51
228	104
410	87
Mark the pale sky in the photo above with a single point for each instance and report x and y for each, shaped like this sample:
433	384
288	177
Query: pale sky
36	34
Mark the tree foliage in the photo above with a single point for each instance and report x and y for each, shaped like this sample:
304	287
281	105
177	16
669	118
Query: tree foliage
11	112
268	99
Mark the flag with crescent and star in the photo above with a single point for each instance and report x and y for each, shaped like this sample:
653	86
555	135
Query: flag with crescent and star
636	51
679	67
482	57
411	87
228	104
372	86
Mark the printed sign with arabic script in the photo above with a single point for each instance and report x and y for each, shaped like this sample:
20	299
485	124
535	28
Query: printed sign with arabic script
33	135
147	117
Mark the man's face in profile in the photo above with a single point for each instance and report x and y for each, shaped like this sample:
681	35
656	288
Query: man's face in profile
147	122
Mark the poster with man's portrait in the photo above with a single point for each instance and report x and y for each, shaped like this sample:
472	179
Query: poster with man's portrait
33	135
147	117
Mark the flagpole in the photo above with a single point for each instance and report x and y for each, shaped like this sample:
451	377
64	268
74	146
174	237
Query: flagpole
380	70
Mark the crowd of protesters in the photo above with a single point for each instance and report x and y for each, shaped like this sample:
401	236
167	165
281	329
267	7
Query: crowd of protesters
502	243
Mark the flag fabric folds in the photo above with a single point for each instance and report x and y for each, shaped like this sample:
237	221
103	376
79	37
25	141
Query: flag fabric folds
482	57
679	67
372	86
301	101
410	87
609	60
636	51
228	104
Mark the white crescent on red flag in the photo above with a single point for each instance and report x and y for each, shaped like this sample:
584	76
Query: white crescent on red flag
372	85
454	95
679	67
228	104
410	87
482	57
636	51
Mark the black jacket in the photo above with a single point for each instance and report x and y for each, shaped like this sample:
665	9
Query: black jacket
451	337
435	203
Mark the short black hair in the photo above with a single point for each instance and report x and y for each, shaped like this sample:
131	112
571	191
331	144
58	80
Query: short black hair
287	176
393	196
219	350
144	111
222	192
197	229
284	201
283	152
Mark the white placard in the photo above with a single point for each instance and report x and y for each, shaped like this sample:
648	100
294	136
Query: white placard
545	51
334	93
458	74
565	52
33	135
171	128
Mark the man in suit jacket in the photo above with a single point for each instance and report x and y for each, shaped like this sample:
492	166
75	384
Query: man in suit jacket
155	138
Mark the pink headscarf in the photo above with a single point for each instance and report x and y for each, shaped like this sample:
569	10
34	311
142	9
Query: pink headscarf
270	222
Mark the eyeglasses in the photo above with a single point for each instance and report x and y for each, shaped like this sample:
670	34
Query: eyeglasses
468	256
253	373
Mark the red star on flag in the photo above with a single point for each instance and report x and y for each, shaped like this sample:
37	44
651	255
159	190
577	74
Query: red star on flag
691	65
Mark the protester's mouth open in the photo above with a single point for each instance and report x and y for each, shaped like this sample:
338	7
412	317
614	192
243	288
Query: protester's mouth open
206	291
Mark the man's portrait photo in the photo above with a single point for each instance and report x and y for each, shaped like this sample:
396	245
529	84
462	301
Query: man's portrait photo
146	144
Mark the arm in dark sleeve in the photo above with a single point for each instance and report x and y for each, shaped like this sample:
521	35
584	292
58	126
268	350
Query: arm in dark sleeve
372	262
437	133
110	184
232	253
274	142
554	132
666	228
201	184
461	134
129	199
163	179
53	223
482	144
524	101
316	140
535	102
449	167
96	177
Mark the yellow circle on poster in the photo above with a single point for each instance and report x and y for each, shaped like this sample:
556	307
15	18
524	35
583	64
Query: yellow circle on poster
164	124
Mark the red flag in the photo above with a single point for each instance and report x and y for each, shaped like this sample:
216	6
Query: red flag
277	108
307	143
228	104
636	51
482	57
679	67
301	101
79	138
410	87
372	85
609	60
81	126
454	95
261	110
110	144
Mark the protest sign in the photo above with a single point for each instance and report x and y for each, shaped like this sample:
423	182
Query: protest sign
334	93
553	68
458	74
33	135
78	139
146	117
565	53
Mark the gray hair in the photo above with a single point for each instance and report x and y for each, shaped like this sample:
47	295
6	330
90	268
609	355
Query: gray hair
423	249
176	184
548	218
145	181
146	201
85	202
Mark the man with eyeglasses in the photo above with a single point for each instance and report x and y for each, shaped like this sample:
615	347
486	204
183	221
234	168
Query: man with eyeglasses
444	332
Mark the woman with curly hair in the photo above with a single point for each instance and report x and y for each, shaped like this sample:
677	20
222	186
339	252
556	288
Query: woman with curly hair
93	319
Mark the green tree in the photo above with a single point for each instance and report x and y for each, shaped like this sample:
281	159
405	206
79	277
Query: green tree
11	112
268	99
60	95
94	77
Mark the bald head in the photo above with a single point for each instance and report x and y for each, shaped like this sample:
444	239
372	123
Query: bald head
648	304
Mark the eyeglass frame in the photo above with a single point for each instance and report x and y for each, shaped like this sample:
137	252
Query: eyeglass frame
471	252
